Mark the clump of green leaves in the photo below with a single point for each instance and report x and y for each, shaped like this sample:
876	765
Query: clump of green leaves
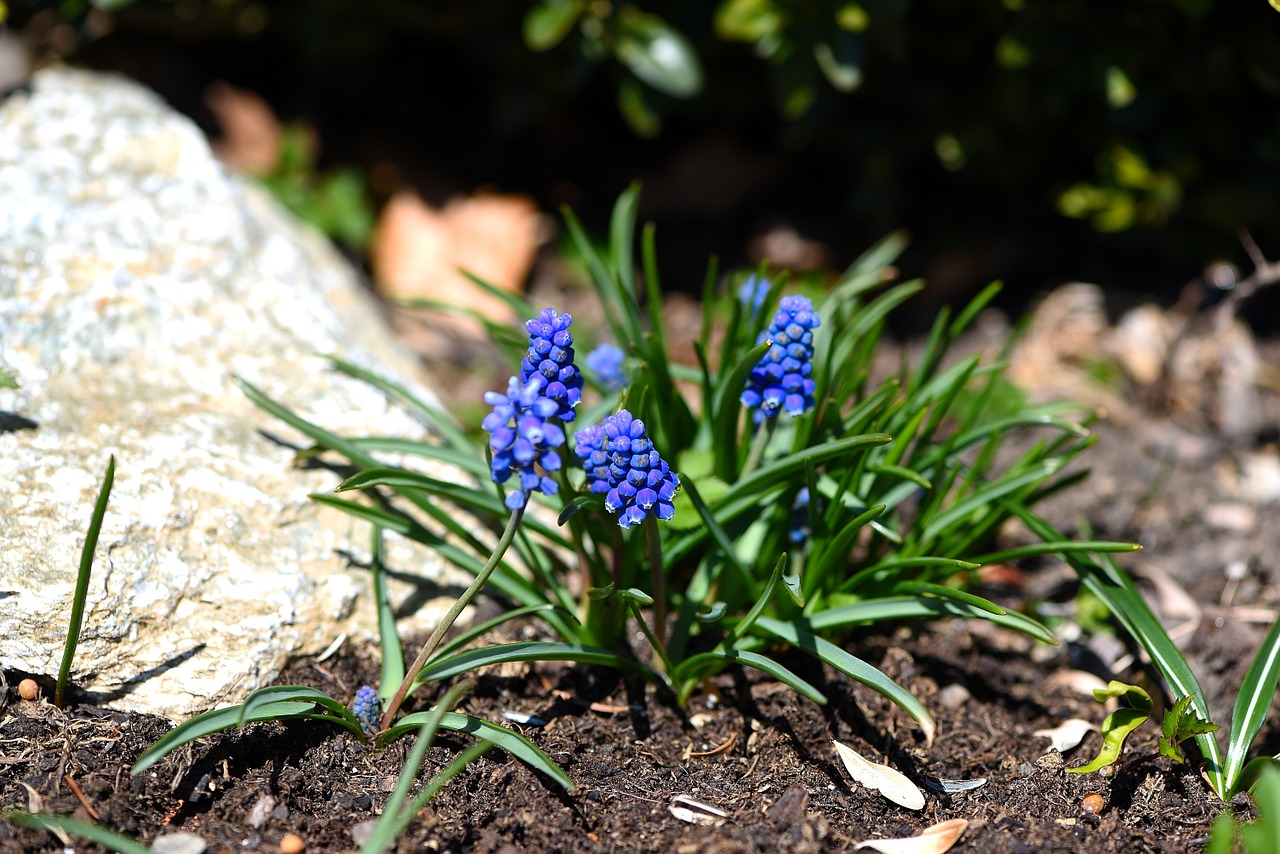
874	502
1180	722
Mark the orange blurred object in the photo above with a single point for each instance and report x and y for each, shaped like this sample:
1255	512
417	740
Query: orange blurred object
417	250
250	130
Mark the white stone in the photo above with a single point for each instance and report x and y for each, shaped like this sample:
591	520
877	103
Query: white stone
136	278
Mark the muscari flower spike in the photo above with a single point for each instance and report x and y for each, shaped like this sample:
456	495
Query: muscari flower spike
781	379
639	479
368	710
550	356
522	437
605	362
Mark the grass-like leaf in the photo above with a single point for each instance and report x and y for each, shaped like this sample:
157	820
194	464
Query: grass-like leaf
392	670
800	633
97	834
465	662
911	607
299	693
509	740
441	422
480	629
691	668
82	583
462	495
1253	702
728	411
216	721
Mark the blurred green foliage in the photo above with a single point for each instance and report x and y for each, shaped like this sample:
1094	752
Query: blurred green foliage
983	126
335	202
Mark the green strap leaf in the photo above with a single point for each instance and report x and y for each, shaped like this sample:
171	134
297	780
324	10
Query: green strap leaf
527	651
97	834
698	665
1257	693
800	633
216	721
82	582
911	607
510	741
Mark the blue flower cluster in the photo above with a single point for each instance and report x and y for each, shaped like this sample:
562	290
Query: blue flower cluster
605	362
522	434
367	710
551	357
621	461
781	380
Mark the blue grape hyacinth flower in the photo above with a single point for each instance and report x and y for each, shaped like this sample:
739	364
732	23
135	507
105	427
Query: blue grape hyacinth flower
368	710
522	437
799	531
752	293
605	362
640	481
781	379
588	446
550	356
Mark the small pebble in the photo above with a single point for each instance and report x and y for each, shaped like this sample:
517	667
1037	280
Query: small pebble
178	842
954	696
363	832
1092	803
28	689
291	843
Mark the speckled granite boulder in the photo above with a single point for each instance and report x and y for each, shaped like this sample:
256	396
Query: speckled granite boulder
136	278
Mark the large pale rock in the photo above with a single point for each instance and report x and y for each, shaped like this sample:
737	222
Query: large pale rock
136	278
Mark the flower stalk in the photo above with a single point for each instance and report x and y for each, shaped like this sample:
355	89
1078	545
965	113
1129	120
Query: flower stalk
433	642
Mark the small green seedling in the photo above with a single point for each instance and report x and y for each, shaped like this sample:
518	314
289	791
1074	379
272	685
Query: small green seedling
1258	837
1229	772
1180	723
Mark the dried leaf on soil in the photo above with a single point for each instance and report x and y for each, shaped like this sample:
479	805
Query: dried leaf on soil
932	840
1067	734
891	783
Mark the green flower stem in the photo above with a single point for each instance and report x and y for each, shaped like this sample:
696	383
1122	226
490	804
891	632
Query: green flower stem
657	582
667	666
433	642
763	434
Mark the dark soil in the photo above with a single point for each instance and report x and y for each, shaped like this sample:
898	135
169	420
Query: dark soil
749	746
775	773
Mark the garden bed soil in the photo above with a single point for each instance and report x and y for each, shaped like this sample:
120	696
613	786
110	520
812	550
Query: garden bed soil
749	746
